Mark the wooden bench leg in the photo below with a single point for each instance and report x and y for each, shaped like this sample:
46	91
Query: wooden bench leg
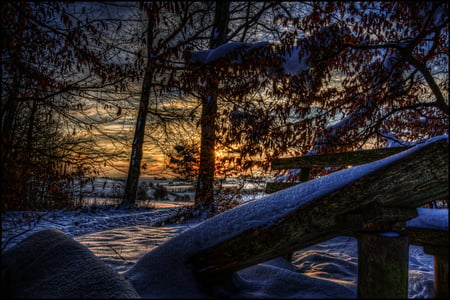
440	269
382	265
441	276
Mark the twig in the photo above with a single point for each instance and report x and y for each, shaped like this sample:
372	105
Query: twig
115	251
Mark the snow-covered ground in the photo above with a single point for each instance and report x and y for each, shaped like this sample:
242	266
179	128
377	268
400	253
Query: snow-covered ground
120	238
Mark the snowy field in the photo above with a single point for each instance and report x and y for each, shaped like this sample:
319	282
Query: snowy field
120	238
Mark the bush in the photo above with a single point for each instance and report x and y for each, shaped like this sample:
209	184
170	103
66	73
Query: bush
160	192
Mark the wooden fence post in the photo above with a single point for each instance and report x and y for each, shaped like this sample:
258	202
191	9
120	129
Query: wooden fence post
440	270
434	242
441	276
304	174
382	265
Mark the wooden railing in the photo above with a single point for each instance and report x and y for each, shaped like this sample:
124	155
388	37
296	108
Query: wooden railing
379	257
342	159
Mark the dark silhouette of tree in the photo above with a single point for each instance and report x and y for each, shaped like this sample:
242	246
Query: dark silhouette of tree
185	161
204	192
59	70
178	29
131	187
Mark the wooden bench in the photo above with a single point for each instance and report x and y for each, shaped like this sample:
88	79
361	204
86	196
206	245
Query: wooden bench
382	198
377	254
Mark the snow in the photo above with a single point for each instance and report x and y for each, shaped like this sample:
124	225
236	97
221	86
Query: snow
389	234
439	17
430	219
216	33
156	259
392	141
324	270
76	223
210	56
295	61
390	62
289	176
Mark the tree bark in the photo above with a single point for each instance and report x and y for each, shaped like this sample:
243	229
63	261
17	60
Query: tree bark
129	197
204	192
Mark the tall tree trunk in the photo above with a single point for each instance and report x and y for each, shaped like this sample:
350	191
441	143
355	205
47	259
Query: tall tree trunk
204	194
129	197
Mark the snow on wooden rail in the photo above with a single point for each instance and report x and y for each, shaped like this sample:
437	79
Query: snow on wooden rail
387	190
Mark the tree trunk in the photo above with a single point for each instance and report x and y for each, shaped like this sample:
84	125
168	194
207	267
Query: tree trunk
205	182
129	197
204	193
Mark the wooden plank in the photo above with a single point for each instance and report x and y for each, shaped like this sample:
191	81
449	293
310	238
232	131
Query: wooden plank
341	159
428	238
416	179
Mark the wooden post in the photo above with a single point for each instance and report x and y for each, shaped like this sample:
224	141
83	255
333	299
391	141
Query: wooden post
382	265
304	174
434	242
441	277
440	270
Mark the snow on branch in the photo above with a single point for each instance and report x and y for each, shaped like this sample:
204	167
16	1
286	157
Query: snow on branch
293	60
205	57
